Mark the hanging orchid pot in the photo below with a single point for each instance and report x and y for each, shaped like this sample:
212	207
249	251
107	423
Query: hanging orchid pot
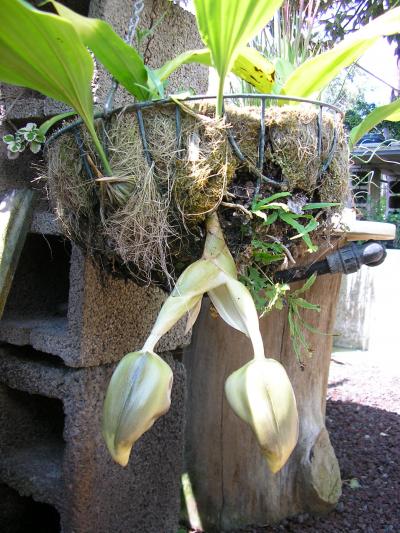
197	194
266	170
199	205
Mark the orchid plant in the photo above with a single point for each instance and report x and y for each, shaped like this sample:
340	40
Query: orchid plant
49	52
260	392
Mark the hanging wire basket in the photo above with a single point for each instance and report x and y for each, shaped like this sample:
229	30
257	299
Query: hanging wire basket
325	152
137	108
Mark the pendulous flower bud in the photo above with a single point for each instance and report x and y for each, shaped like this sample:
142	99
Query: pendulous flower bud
260	393
139	392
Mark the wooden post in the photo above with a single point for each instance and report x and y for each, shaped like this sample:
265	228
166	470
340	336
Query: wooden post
230	479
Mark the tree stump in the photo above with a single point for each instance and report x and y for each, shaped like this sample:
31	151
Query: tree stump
230	479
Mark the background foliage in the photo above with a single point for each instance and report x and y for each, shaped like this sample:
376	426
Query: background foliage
341	17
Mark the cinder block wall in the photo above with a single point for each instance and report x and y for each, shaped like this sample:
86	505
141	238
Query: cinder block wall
52	449
64	329
61	304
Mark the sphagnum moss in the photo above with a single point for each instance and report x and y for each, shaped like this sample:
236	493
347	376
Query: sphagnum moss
140	214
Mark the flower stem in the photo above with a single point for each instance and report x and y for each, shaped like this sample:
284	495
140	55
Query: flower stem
150	343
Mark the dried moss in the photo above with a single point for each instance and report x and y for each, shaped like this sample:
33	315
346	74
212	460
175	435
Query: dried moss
293	146
149	216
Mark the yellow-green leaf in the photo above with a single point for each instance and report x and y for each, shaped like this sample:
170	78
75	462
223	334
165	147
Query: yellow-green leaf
386	112
43	52
201	56
253	67
315	74
250	65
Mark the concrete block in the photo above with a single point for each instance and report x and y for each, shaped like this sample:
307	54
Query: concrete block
19	103
175	33
60	303
22	105
45	223
51	448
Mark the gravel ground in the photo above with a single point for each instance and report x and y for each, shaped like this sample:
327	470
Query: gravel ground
363	419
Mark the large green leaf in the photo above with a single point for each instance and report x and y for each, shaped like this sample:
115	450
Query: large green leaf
120	59
386	112
315	74
249	65
226	26
43	52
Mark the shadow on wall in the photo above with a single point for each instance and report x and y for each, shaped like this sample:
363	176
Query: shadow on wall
367	310
21	514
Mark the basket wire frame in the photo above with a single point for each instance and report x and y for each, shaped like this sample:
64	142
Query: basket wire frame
137	108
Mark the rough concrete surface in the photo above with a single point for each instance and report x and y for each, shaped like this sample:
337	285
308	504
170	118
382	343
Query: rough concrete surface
45	223
118	317
175	33
19	513
51	448
21	104
60	304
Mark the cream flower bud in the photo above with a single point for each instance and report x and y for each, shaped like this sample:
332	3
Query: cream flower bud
139	392
261	394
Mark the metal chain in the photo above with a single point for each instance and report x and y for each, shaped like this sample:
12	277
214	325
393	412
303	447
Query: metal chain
137	9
